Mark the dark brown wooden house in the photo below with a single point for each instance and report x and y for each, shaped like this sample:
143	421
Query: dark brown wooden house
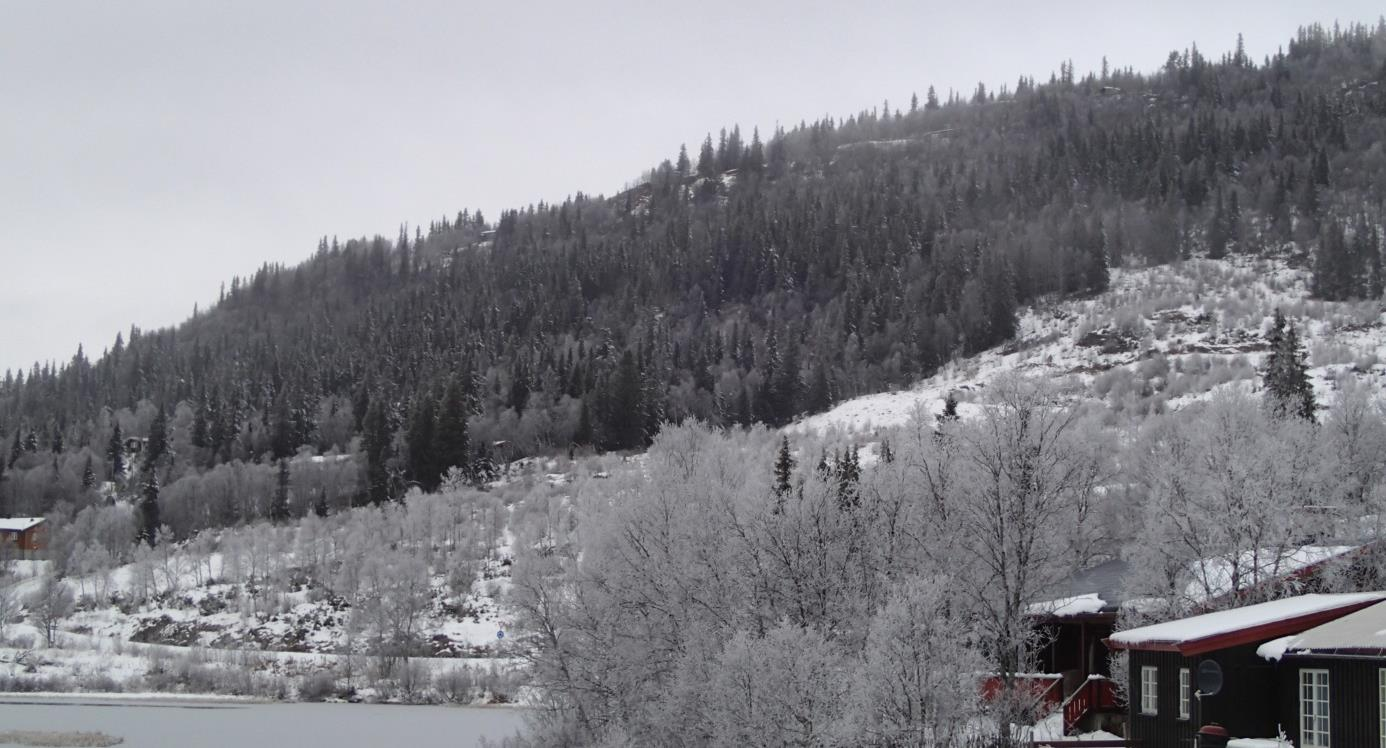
1165	706
1082	612
1332	681
1074	625
25	535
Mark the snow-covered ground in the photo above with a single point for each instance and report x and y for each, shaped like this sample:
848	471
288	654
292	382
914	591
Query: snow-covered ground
224	615
1159	338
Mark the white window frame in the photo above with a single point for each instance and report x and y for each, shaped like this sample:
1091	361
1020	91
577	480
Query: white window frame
1185	693
1150	690
1314	712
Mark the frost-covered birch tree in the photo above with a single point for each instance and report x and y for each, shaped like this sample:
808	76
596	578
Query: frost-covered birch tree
1229	491
1014	491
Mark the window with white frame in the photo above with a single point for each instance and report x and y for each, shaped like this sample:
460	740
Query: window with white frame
1381	702
1150	690
1185	693
1313	708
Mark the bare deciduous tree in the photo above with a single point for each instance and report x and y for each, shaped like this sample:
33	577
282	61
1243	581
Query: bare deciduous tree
49	605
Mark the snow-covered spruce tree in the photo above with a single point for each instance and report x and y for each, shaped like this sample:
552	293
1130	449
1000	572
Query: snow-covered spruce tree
1286	373
784	470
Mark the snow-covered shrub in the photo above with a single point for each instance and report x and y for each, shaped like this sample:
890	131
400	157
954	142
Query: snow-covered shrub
1329	352
318	686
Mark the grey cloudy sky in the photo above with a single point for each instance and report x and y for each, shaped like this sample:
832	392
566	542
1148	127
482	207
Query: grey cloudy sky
151	150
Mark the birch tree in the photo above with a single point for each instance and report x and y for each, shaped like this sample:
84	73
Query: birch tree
1226	513
1014	513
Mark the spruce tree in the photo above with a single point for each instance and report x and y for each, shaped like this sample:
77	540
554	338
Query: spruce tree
707	159
199	424
683	165
320	506
784	469
156	447
279	508
282	438
452	447
950	409
848	473
624	420
1286	373
376	441
423	461
88	474
115	452
583	433
149	508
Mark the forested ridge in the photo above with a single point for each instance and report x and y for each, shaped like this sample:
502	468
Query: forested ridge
752	279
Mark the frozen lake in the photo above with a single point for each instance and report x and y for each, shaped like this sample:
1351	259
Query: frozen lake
155	723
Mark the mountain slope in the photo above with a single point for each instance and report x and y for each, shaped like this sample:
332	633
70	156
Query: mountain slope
1160	338
750	282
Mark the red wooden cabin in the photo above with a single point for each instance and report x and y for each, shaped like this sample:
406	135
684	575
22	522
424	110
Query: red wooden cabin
23	534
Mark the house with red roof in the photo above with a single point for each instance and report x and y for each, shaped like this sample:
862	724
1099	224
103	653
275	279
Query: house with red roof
1205	671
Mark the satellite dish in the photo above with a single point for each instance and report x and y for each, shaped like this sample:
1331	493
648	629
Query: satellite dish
1209	678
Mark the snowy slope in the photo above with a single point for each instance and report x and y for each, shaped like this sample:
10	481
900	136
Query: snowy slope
1159	338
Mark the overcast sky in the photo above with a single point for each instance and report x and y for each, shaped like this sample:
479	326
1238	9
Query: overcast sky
151	150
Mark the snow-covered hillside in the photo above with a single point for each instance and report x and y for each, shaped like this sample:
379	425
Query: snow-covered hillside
1159	338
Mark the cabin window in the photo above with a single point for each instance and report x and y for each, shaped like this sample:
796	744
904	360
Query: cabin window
1313	708
1150	690
1184	693
1381	703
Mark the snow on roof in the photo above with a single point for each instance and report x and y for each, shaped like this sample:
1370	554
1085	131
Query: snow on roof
1065	607
1259	743
1263	622
1213	577
18	524
1097	589
1361	632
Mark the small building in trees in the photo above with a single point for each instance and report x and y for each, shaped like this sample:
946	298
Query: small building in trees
27	535
134	446
1204	670
1332	681
1073	627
